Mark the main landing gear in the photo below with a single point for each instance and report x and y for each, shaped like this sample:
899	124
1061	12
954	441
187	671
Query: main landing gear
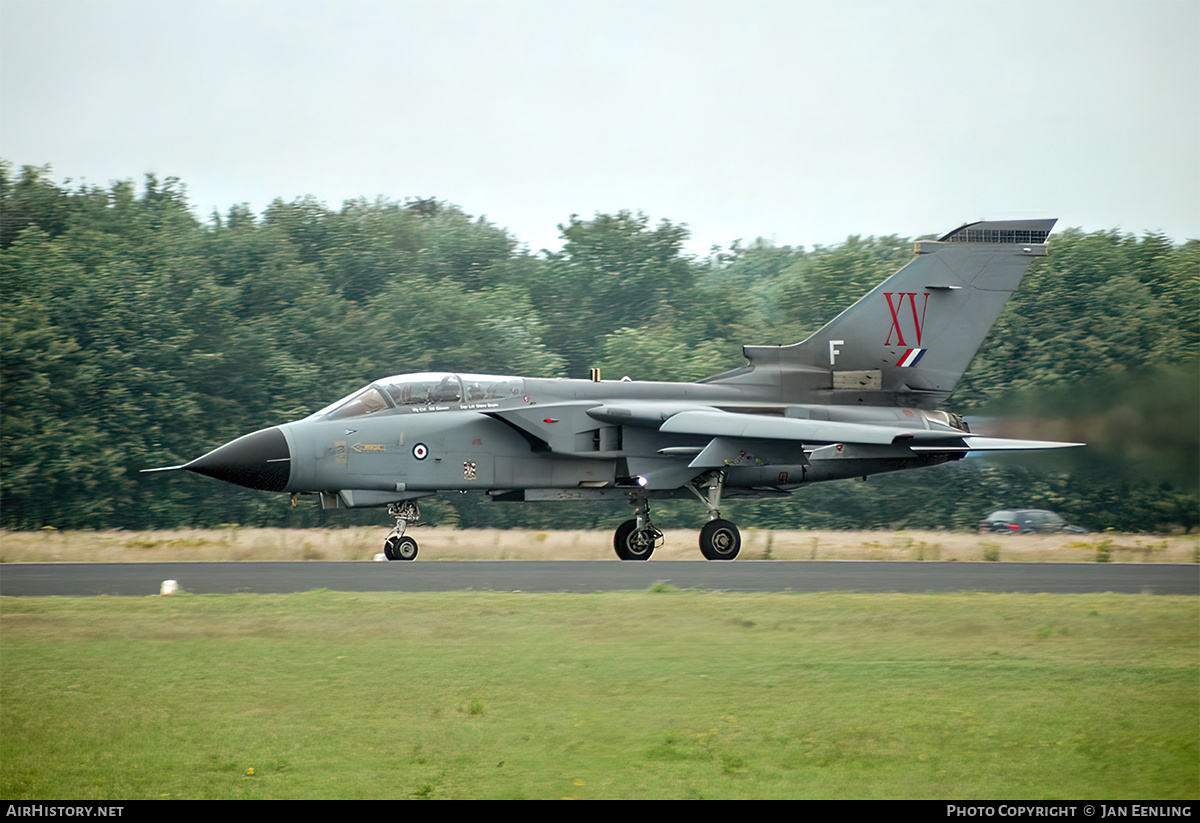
398	546
719	539
637	539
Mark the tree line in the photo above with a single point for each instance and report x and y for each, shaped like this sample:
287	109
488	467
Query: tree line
136	334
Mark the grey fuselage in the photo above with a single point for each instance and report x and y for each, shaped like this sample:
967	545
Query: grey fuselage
574	440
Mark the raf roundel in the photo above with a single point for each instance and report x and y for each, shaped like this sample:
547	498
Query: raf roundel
420	451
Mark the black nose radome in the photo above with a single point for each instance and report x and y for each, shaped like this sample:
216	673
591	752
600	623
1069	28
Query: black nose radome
260	460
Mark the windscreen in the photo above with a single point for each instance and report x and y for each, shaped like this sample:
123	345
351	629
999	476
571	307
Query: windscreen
425	389
367	401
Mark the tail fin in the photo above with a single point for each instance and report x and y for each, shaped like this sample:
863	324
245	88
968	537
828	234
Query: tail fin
911	338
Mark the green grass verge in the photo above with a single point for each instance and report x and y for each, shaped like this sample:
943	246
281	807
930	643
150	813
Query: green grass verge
658	694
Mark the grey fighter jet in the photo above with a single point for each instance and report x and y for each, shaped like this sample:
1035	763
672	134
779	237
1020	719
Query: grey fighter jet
859	397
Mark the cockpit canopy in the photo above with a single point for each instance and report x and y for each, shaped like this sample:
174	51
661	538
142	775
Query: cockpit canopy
425	389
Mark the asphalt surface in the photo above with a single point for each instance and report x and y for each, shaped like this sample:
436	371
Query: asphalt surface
135	579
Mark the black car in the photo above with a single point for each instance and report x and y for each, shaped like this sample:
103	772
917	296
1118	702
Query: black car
1027	521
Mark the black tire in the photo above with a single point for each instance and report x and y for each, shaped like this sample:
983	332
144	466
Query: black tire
400	548
720	540
630	544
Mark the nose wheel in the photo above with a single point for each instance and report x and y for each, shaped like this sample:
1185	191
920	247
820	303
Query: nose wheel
398	546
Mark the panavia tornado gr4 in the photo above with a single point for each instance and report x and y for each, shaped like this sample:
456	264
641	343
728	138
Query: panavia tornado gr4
859	397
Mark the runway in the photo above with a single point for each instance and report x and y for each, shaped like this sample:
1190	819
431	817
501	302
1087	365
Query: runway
137	579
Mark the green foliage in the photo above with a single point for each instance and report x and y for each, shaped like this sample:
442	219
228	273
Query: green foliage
1101	304
614	272
820	285
135	335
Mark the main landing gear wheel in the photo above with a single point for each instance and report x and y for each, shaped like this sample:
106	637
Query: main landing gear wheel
720	540
632	543
400	548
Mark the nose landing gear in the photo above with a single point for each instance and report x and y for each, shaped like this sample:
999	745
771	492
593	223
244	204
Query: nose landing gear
398	546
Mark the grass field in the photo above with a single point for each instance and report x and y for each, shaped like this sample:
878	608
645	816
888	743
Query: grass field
655	694
234	544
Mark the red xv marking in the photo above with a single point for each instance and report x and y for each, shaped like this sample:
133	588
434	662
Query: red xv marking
896	308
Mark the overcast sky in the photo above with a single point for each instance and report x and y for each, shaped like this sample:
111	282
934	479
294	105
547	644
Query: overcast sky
802	122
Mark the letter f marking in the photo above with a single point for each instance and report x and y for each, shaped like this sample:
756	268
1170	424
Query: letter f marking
834	351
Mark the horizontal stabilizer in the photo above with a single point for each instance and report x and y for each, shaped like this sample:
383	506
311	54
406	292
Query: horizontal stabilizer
996	444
